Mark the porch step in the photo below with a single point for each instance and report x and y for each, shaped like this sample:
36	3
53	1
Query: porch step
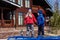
6	35
6	32
13	33
7	25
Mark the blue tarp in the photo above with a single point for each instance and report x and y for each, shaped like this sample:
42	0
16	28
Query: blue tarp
49	38
21	38
33	38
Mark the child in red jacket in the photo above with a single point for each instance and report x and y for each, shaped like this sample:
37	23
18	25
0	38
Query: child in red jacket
29	21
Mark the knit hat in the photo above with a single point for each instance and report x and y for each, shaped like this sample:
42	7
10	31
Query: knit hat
29	10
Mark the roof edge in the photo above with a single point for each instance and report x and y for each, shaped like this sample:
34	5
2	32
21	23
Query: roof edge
48	3
12	3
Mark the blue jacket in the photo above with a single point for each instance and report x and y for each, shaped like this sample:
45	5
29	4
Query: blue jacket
40	18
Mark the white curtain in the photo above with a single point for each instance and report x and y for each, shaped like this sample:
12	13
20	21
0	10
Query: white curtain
27	3
20	19
12	0
20	2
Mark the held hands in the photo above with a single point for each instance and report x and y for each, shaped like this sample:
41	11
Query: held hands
28	15
35	23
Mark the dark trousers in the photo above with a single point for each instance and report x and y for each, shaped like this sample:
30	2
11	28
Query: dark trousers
40	30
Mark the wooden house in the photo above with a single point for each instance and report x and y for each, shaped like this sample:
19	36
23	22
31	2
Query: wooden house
12	11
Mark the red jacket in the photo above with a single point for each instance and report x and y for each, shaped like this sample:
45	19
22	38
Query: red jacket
29	20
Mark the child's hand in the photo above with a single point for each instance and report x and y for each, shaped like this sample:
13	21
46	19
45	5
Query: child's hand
36	23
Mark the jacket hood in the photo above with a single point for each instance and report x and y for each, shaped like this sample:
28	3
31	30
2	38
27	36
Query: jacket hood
40	11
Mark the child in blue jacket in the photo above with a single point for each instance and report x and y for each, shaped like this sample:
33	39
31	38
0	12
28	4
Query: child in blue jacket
40	22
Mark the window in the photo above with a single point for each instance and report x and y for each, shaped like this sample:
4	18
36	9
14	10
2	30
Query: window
20	18
12	0
13	16
20	2
27	3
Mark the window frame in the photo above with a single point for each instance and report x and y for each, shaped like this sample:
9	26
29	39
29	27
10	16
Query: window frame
26	3
21	3
21	24
14	1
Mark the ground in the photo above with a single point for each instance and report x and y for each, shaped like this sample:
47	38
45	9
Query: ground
6	32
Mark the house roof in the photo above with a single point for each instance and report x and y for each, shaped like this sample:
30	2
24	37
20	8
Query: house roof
12	3
45	5
7	5
42	3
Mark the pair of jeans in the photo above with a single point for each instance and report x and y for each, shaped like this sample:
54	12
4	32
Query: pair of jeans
30	29
40	30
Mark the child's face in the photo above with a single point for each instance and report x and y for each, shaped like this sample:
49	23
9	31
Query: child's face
30	11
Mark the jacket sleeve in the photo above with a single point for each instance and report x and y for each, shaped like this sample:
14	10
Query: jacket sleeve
34	19
25	20
38	20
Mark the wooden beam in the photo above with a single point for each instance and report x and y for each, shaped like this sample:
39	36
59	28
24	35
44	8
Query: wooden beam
31	3
2	20
5	8
16	18
24	3
12	21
